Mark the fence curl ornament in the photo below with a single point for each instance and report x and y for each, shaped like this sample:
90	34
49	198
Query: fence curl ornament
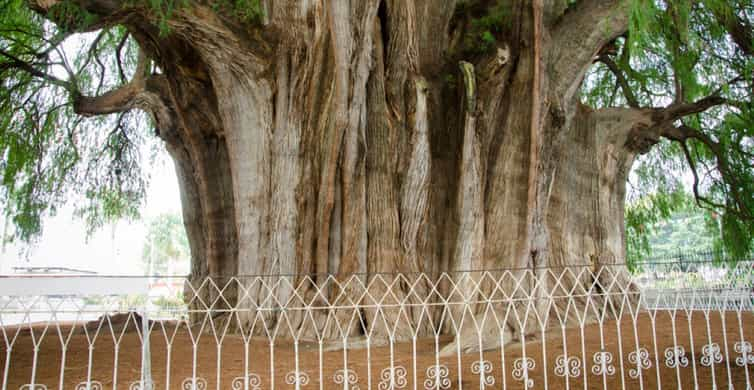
251	382
603	364
192	383
640	360
483	368
521	368
293	378
138	385
744	349
36	386
437	378
567	366
346	376
676	357
392	378
90	385
711	355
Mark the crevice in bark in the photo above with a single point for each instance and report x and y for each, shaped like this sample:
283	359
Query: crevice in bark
384	28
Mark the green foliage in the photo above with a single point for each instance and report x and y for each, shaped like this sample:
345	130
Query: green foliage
247	11
681	51
643	215
163	11
76	18
662	225
51	155
686	230
486	24
165	244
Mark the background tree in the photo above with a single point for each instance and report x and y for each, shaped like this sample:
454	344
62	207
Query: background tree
165	245
375	136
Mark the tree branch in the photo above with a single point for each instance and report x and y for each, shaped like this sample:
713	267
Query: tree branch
117	100
144	93
140	92
110	12
679	110
92	52
621	79
118	50
17	63
683	133
652	123
692	165
578	37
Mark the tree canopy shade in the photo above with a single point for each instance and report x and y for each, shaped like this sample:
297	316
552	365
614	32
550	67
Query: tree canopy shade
315	137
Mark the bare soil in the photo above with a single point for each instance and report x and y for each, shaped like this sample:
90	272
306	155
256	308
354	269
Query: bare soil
724	329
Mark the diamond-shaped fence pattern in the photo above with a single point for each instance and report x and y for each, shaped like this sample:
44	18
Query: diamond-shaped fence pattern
672	326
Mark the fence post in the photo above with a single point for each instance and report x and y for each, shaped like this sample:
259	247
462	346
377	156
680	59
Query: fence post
146	358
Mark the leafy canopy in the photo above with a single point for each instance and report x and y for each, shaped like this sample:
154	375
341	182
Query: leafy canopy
52	155
49	153
676	52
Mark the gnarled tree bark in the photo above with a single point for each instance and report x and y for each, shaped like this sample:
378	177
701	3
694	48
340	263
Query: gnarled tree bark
358	137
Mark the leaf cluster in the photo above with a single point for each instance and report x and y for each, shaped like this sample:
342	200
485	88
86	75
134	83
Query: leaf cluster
247	11
484	24
679	52
166	241
52	156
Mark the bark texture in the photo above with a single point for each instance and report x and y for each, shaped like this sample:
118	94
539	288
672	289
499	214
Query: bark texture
370	137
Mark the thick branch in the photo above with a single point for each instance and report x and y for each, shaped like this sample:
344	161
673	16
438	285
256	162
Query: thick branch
578	37
118	100
109	12
146	94
679	110
655	121
138	93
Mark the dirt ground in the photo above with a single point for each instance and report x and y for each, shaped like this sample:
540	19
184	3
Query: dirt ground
232	359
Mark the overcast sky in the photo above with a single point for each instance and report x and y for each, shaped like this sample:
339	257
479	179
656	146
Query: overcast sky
113	249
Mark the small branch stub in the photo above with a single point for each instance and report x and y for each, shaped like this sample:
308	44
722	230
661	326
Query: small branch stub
469	83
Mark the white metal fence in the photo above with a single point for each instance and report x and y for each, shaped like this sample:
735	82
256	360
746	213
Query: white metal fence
579	327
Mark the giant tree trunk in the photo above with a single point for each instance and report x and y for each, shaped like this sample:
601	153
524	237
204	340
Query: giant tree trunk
371	137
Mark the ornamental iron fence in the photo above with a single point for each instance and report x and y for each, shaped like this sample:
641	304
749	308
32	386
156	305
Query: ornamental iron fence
578	327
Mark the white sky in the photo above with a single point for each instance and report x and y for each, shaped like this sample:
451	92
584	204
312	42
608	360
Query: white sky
112	250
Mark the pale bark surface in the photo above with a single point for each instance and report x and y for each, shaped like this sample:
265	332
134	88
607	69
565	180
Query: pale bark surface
342	137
